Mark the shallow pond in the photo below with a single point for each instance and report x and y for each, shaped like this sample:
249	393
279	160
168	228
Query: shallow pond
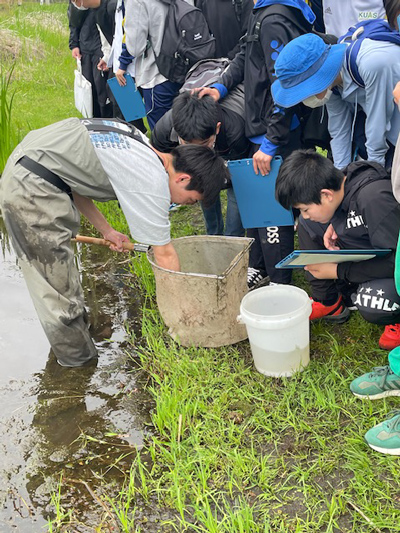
85	422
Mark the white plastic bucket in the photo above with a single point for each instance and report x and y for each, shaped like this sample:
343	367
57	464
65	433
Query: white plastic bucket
277	322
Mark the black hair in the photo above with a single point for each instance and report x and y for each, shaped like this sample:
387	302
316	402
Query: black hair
303	175
194	118
208	172
392	8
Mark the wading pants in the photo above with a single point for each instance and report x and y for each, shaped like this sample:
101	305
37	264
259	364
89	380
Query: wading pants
41	219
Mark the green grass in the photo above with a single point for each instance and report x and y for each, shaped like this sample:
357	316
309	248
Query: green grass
7	132
34	51
230	449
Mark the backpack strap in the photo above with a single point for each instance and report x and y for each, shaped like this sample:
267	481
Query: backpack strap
377	30
275	9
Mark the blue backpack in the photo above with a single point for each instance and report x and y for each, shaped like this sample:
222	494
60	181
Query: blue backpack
377	30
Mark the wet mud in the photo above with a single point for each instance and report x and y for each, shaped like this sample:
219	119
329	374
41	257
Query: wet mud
84	423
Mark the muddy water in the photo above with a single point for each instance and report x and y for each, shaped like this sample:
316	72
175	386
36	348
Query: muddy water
85	423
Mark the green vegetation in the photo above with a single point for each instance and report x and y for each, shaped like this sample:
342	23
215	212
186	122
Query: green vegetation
7	133
36	76
230	450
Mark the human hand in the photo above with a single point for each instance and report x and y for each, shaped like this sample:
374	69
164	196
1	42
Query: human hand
396	93
116	239
210	91
323	270
262	163
330	239
102	65
120	77
76	53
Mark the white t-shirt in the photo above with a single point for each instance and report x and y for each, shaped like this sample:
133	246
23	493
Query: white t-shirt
340	15
140	183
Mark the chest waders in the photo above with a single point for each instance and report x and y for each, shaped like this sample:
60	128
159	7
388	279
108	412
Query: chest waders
40	217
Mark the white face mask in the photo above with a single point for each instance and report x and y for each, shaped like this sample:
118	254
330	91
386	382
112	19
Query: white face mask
80	8
313	101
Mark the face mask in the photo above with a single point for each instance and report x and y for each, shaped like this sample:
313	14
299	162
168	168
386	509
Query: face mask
313	101
80	8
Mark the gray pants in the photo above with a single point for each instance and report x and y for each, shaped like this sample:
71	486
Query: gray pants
41	219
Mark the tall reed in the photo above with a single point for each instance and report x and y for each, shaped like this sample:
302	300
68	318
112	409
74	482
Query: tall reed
7	131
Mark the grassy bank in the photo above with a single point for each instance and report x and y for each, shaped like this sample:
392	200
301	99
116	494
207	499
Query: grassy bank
36	70
230	450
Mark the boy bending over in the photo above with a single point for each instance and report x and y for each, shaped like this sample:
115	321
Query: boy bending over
350	209
353	208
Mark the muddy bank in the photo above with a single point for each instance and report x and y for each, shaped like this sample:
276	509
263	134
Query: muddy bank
84	422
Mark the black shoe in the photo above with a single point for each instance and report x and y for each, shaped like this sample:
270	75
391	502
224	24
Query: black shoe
348	302
255	276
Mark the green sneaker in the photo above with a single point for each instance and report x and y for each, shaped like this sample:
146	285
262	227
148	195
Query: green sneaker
379	383
385	437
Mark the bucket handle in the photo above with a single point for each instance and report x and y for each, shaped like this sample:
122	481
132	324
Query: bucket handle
239	319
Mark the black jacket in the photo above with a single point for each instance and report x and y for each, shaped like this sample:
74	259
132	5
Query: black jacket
230	144
105	18
83	32
255	65
368	217
227	20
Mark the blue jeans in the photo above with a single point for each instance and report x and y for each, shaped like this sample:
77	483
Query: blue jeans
215	222
158	100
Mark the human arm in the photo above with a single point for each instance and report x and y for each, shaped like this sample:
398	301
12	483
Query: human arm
323	270
275	33
378	66
161	137
88	209
396	160
234	73
330	238
209	91
246	9
166	257
396	170
87	3
339	126
76	53
102	65
396	93
136	27
125	59
76	19
381	215
74	44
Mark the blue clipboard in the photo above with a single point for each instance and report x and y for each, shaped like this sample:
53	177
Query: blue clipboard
255	195
302	258
128	98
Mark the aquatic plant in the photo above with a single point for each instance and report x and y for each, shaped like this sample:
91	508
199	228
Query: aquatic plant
7	132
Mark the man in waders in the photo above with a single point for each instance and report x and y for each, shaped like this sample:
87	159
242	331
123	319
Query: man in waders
55	173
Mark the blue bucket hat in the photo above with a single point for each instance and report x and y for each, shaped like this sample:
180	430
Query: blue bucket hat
305	67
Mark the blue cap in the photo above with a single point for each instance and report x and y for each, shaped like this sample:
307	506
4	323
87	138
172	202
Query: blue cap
305	67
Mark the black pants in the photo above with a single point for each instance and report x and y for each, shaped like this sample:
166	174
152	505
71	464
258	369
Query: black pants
276	242
102	107
377	300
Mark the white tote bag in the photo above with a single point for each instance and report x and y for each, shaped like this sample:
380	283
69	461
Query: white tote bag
83	92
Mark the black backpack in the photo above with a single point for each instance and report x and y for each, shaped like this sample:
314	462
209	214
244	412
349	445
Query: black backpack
186	40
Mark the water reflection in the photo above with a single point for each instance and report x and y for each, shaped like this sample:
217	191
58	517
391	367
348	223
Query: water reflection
77	420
